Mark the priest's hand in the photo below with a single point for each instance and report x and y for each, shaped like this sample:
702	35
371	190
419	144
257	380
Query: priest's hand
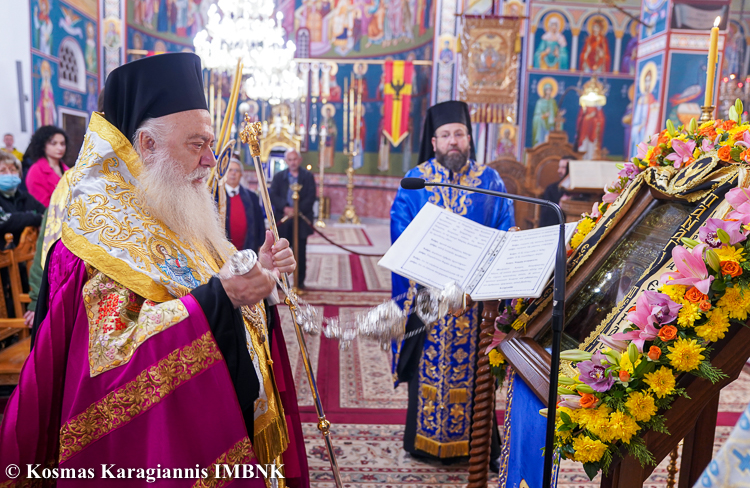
276	257
247	289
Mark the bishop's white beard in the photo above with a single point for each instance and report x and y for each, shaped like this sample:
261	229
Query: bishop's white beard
187	209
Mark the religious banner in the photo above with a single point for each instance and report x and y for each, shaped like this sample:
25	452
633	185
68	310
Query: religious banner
489	71
397	100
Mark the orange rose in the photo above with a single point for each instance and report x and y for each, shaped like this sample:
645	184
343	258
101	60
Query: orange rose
653	163
727	124
624	376
663	137
739	135
588	400
709	132
704	305
745	156
731	268
725	153
654	353
667	333
693	295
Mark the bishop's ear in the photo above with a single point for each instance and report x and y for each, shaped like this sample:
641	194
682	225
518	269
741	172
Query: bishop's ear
146	142
434	144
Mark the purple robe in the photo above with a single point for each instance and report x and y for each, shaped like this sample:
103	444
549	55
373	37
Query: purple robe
172	405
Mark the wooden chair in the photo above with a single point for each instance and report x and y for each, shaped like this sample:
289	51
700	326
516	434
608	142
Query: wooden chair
514	176
542	162
13	357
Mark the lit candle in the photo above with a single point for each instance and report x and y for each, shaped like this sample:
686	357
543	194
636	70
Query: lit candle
351	115
713	58
346	116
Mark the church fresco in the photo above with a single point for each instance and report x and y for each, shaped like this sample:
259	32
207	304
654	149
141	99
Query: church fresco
654	16
356	28
64	45
171	20
685	93
552	43
550	95
735	45
648	102
595	40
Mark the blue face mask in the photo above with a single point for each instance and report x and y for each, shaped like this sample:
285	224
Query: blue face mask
9	182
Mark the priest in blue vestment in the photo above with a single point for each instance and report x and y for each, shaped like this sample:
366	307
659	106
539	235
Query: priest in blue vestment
440	363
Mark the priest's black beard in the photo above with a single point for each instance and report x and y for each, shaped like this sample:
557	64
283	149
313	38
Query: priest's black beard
452	161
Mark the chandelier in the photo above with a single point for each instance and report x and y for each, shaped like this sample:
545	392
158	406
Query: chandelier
247	30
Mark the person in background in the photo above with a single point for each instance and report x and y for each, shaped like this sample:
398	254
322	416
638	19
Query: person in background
9	148
555	192
18	209
283	206
245	224
46	152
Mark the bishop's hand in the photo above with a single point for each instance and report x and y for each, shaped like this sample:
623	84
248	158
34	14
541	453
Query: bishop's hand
249	288
277	257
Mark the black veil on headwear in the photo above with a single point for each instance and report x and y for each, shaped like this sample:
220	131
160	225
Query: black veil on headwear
153	87
439	115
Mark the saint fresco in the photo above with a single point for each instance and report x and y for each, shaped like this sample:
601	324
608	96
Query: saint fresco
552	51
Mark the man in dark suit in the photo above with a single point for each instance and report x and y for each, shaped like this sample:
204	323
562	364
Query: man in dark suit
283	206
245	225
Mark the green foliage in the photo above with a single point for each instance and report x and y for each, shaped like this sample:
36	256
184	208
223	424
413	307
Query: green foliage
592	469
710	372
637	449
657	424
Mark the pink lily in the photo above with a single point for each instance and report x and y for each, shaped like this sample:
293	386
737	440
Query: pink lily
691	269
595	213
707	145
497	338
745	140
650	309
654	139
642	150
739	198
573	402
610	197
614	344
683	152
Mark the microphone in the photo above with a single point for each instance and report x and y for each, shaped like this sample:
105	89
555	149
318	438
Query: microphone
558	306
412	183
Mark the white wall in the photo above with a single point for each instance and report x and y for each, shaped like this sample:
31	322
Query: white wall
15	45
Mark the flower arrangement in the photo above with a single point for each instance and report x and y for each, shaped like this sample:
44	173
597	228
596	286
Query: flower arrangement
503	324
677	148
619	391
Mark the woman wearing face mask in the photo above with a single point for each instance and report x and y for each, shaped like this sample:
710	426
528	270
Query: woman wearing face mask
18	209
46	151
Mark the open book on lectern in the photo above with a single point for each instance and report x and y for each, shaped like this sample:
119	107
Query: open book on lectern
439	247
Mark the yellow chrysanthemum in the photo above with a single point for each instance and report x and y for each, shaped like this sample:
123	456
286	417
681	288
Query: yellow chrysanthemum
685	355
730	253
661	381
627	365
706	125
496	358
688	314
649	153
715	327
736	303
675	292
624	426
585	226
641	406
588	450
590	417
576	240
603	429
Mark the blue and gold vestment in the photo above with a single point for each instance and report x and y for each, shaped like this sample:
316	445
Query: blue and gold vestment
440	364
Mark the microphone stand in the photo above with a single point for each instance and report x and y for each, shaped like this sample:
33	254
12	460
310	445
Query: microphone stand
558	310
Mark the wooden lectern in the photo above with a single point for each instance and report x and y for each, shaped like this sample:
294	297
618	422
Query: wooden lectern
628	257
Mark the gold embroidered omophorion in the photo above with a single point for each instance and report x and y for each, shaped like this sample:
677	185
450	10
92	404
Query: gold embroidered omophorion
239	454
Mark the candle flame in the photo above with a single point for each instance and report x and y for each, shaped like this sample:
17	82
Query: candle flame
717	21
